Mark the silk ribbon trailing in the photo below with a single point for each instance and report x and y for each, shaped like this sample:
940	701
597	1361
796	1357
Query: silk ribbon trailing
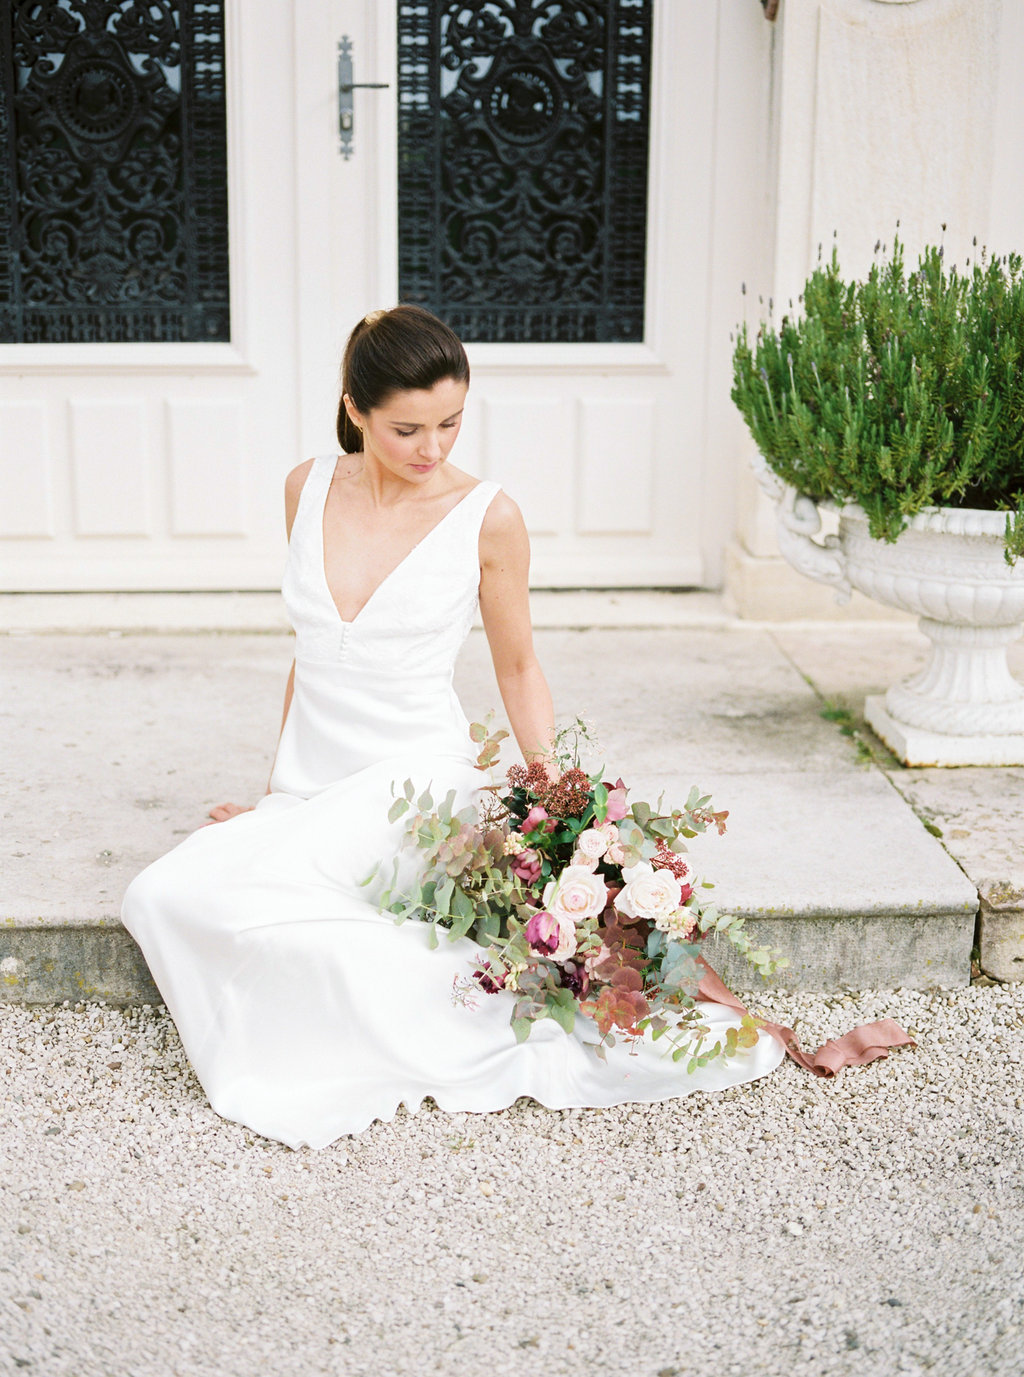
855	1048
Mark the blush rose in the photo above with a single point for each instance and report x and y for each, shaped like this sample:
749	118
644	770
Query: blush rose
648	893
577	893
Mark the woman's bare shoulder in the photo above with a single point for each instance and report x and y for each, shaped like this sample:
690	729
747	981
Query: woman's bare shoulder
295	481
503	517
293	486
503	532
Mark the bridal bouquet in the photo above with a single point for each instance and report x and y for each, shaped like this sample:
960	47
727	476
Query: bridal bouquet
583	901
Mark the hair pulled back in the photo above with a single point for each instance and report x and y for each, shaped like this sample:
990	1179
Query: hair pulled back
401	350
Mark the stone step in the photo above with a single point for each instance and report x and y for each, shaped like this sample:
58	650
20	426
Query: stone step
119	744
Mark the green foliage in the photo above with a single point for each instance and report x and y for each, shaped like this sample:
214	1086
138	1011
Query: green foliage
898	393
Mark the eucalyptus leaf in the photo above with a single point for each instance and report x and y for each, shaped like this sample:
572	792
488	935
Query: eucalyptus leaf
564	1015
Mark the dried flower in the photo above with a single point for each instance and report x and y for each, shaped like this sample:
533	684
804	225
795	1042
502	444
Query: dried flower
666	859
569	795
532	777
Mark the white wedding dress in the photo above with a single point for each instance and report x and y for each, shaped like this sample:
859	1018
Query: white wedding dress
306	1012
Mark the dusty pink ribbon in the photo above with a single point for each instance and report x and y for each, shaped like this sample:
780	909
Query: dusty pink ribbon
855	1048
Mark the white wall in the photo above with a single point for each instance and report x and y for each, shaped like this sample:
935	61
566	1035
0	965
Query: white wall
883	111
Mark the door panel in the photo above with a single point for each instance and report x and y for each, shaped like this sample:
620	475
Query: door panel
135	452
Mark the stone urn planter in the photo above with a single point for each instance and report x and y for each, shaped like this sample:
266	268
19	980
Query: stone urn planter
948	568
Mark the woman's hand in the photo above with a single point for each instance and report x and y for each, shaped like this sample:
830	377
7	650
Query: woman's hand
223	811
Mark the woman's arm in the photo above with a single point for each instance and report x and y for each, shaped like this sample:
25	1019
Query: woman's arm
223	811
292	490
505	608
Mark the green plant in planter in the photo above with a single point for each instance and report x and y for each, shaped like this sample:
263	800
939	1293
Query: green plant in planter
900	392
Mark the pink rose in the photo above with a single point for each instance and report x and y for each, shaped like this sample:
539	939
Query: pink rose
593	843
615	853
617	806
535	817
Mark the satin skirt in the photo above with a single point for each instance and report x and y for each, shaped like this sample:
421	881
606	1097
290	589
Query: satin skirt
307	1013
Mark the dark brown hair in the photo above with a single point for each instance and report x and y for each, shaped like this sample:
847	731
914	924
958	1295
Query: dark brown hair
399	350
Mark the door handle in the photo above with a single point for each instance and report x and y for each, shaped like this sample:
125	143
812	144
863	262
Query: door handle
346	109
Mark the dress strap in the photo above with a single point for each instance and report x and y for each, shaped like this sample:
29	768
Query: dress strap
314	493
477	501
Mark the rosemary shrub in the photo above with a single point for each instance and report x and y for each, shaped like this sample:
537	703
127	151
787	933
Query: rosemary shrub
898	393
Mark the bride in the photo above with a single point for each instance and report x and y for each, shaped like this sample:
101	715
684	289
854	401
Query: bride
305	1011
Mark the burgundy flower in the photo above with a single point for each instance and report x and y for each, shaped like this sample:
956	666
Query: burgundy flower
489	980
574	977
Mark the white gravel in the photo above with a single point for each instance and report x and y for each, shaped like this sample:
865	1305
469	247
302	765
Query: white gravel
873	1224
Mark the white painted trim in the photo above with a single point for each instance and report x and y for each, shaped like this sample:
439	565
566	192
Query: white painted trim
239	283
54	571
598	569
564	358
657	227
18	359
383	34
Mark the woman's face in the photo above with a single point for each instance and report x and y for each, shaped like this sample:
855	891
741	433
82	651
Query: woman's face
411	433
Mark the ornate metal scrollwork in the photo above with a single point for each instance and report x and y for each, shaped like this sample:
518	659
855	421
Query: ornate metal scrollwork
113	190
523	131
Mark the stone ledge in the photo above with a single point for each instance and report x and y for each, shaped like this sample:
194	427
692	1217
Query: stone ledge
49	964
1001	930
46	965
870	952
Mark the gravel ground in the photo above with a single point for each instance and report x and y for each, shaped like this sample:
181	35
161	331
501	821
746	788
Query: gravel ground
873	1224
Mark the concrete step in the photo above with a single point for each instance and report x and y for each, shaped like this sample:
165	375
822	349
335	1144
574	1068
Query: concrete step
119	744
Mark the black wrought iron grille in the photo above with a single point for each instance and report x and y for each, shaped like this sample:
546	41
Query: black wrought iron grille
522	157
113	171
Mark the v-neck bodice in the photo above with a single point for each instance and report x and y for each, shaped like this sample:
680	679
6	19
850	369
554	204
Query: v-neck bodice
398	568
371	688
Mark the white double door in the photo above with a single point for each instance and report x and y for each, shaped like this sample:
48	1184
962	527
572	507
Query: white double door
151	466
